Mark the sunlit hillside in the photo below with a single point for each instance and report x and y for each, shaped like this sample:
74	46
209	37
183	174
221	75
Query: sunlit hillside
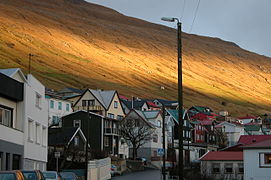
79	44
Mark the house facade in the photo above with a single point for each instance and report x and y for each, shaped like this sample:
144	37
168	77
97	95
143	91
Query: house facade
30	119
257	160
11	123
222	165
58	107
232	130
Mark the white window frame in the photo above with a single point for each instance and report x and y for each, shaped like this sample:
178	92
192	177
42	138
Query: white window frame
30	130
38	133
116	104
38	100
77	121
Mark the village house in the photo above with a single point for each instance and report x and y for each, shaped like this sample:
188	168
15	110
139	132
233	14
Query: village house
149	149
57	106
24	122
257	160
102	132
70	142
232	130
222	165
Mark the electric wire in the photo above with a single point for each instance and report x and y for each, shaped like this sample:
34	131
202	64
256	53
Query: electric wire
195	15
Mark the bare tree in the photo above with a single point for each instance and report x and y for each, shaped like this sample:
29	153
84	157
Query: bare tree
136	132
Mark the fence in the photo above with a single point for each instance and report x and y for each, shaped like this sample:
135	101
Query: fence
99	169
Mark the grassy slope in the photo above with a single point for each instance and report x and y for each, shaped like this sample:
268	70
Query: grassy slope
85	45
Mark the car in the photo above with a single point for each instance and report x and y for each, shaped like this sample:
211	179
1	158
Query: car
68	176
11	175
51	175
33	175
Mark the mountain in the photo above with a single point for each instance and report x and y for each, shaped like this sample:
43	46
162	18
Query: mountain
80	44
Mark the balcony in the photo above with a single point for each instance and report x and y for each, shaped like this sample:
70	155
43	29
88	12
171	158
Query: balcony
91	108
112	131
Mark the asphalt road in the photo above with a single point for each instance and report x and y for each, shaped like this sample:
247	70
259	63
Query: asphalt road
142	175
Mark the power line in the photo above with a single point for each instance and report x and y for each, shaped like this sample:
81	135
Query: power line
183	9
195	15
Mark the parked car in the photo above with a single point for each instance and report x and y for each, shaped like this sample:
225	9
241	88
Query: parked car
51	175
113	170
68	176
33	175
11	175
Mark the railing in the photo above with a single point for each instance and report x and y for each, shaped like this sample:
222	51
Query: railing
112	131
91	108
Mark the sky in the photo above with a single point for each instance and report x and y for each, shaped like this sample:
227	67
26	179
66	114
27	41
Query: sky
244	22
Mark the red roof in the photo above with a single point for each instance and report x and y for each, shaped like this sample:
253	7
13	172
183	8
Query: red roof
152	104
262	144
123	97
223	156
249	139
202	116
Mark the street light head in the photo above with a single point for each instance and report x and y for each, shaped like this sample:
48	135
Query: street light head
168	19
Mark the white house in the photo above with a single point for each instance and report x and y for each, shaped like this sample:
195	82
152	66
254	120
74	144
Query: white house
31	120
11	120
257	160
58	107
232	130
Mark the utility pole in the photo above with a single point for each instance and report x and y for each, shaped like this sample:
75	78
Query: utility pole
180	100
88	118
164	143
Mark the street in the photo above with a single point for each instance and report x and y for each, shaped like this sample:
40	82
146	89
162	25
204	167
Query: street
142	175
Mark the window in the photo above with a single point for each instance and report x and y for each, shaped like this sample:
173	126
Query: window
106	141
88	102
16	161
1	159
112	116
159	123
38	134
7	161
115	104
76	141
267	158
240	168
228	168
44	136
52	104
30	129
216	168
38	100
76	123
155	138
67	107
119	117
55	120
59	105
6	117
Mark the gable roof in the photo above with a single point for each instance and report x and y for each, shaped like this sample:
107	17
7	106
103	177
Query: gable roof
266	144
249	139
223	156
103	97
70	89
202	109
63	136
140	114
12	71
247	117
136	104
166	102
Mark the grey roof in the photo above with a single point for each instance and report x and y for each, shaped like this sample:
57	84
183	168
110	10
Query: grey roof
9	72
150	114
136	104
104	97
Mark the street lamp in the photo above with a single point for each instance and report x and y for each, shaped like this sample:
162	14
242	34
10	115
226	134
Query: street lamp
180	92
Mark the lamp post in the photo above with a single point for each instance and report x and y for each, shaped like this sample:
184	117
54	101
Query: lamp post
180	93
